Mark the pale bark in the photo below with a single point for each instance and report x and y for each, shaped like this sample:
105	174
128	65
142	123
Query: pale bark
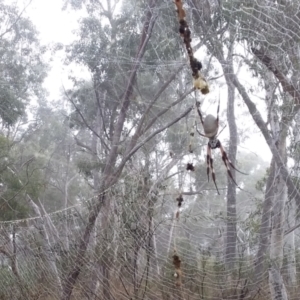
289	249
265	226
278	291
171	234
291	217
8	247
275	278
291	90
100	273
231	235
49	257
66	201
277	286
279	134
293	191
53	233
155	249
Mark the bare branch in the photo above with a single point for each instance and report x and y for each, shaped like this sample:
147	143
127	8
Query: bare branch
292	229
85	122
138	131
167	109
80	144
142	143
271	143
71	278
147	31
286	85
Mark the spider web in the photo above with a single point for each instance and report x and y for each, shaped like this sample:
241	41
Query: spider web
137	232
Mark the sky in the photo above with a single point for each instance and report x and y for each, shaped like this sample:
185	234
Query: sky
54	26
57	26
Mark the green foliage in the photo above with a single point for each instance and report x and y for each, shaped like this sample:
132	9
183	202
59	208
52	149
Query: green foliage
18	185
21	66
86	166
84	105
11	108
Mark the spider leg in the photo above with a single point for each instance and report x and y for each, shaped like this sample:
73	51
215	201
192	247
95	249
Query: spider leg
221	131
227	163
200	132
233	167
210	167
208	154
218	109
228	160
199	112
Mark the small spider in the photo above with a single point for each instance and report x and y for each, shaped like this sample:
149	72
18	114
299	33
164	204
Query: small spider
211	128
190	167
179	199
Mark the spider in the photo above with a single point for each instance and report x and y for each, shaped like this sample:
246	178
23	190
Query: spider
211	127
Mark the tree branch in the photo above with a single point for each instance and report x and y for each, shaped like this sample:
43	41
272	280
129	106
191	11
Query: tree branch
294	93
82	145
167	109
139	131
291	229
72	276
86	123
263	127
286	85
146	34
142	143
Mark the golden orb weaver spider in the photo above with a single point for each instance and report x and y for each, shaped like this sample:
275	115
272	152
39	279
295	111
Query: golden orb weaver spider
210	126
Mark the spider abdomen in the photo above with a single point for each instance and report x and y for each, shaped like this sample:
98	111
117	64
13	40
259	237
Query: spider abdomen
210	126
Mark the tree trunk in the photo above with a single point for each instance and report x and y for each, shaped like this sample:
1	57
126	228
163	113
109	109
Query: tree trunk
49	258
231	235
8	248
155	248
264	232
277	286
265	226
99	269
290	245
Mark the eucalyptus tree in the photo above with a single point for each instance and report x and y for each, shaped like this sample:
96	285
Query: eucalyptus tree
268	30
22	73
21	64
30	170
129	100
51	139
280	19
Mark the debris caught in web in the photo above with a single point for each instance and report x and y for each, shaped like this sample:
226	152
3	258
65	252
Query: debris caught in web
177	265
199	81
